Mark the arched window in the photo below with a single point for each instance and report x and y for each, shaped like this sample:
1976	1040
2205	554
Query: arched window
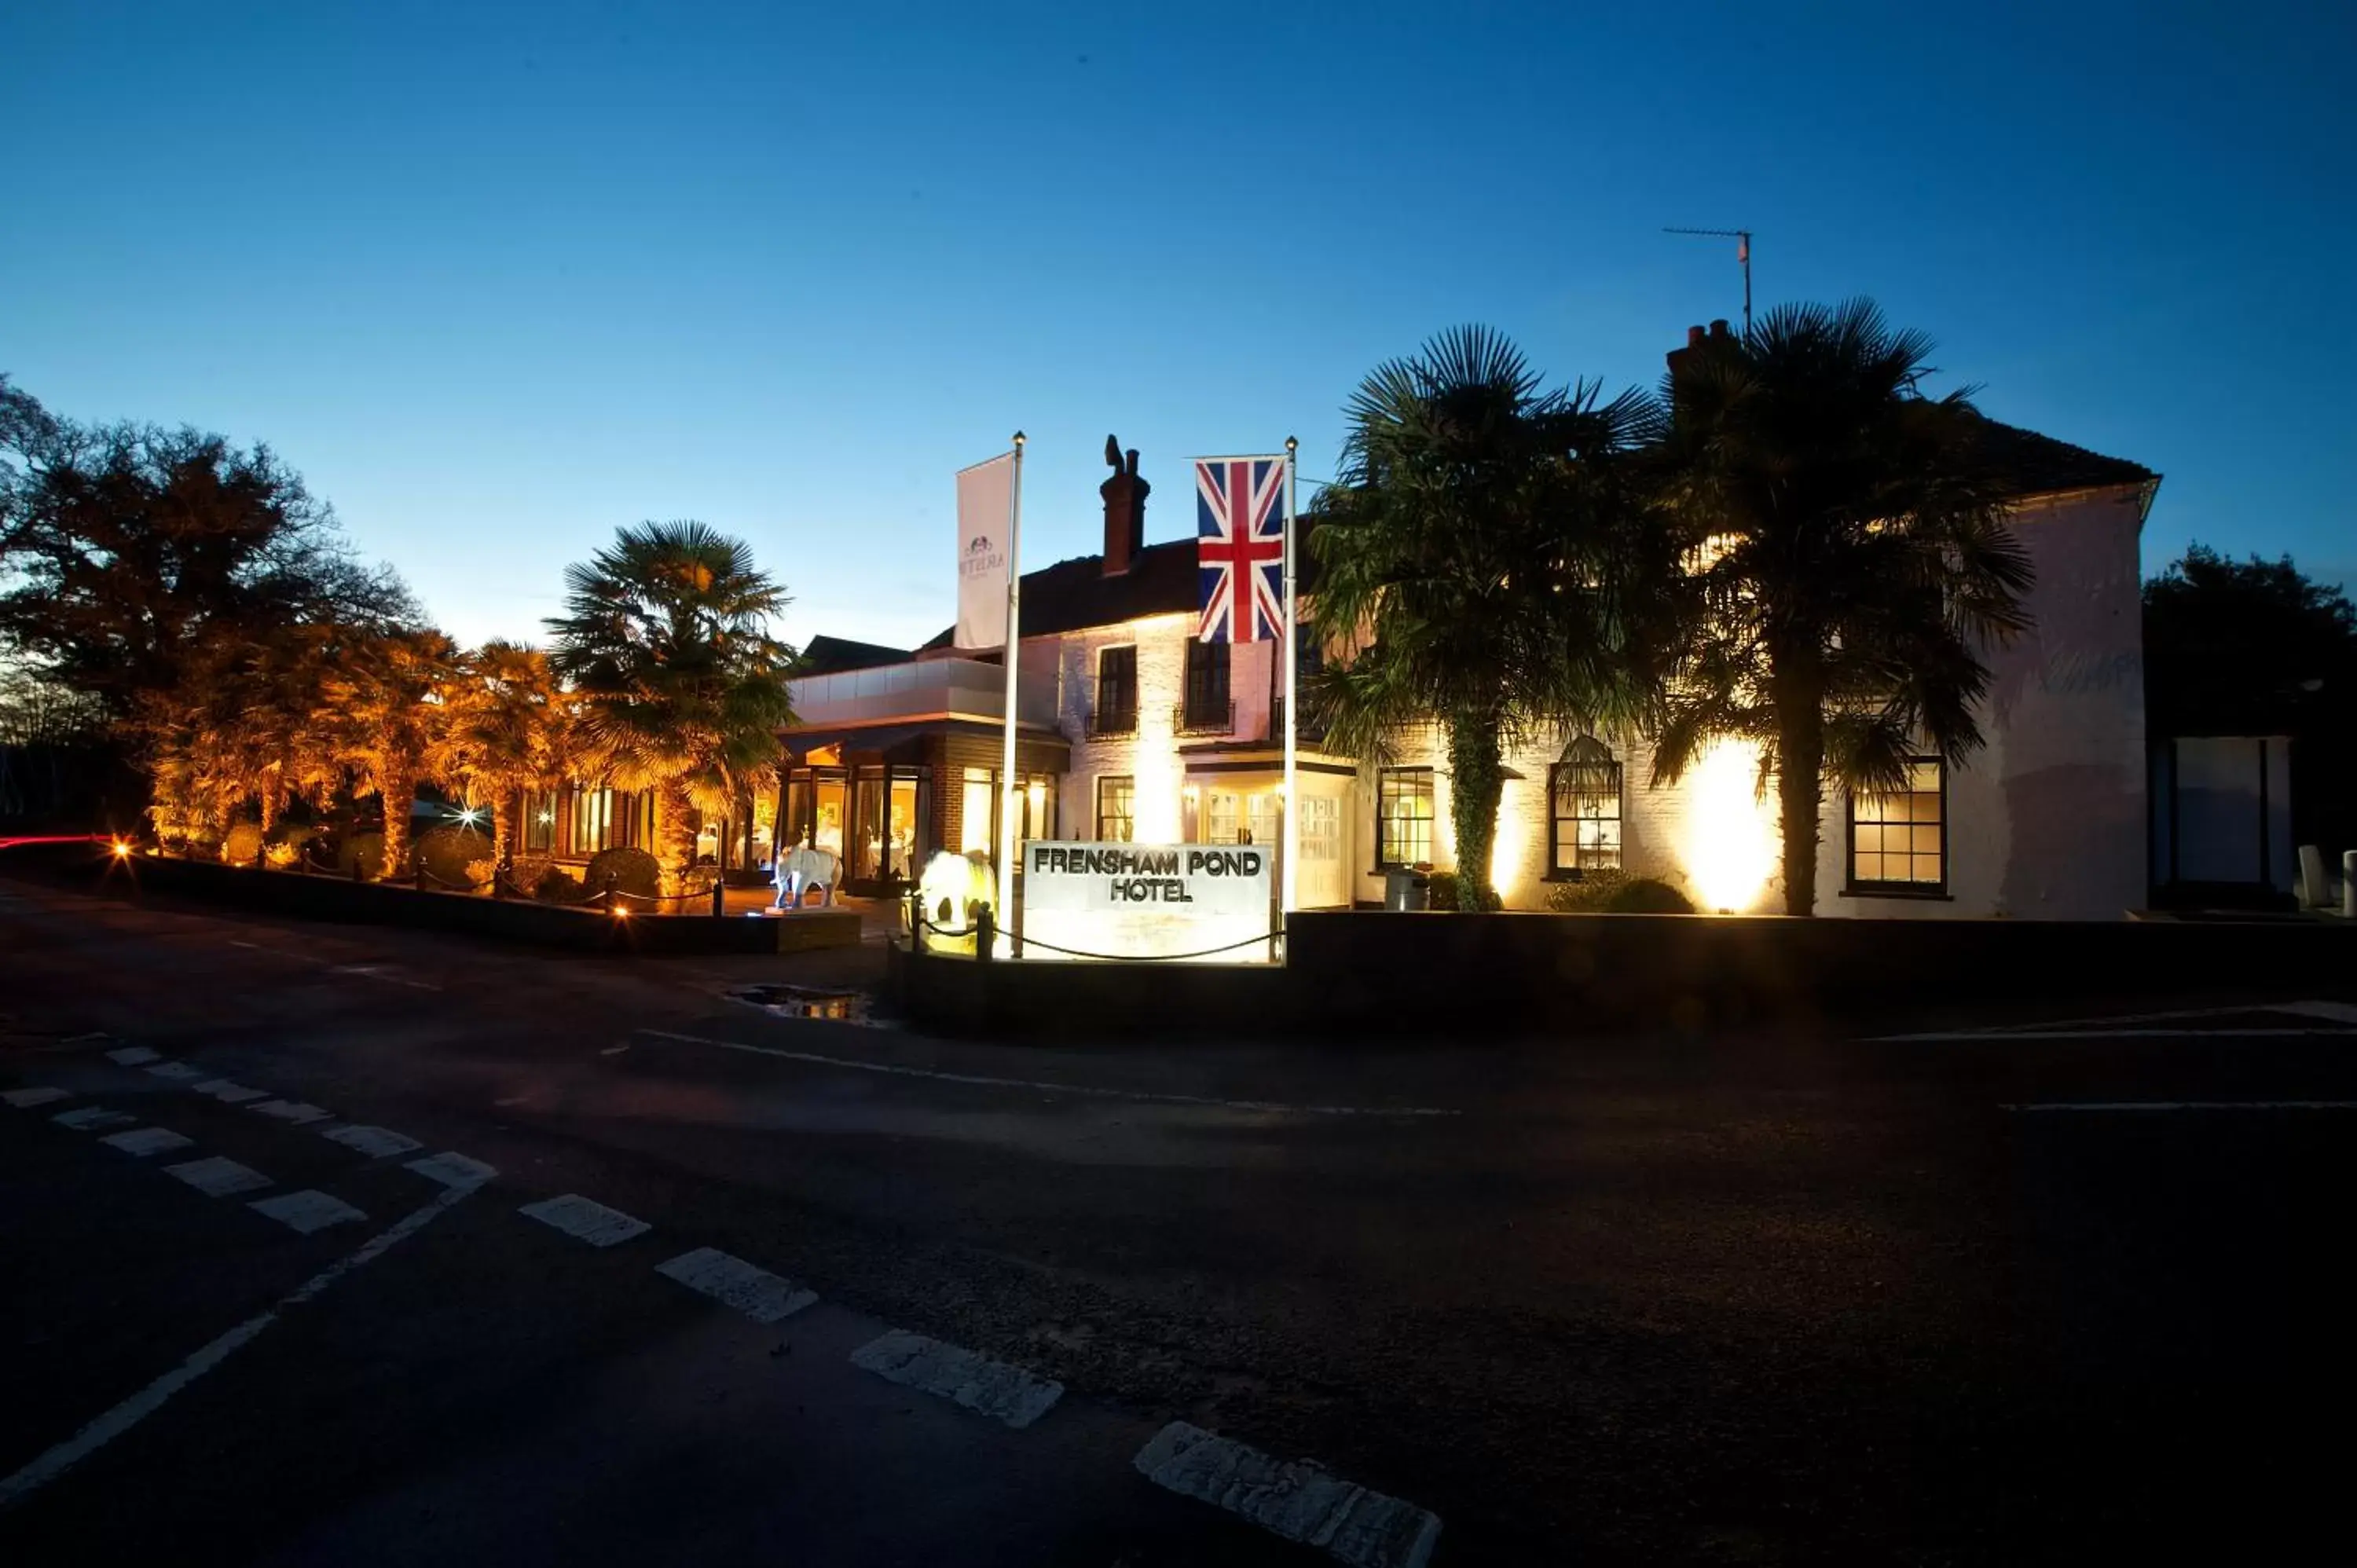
1585	791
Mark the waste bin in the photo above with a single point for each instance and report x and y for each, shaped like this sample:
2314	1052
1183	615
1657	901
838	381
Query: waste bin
1408	890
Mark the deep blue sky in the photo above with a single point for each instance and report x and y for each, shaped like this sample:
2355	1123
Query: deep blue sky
497	281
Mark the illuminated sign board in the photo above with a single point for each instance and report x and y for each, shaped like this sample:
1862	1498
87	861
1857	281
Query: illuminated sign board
1142	900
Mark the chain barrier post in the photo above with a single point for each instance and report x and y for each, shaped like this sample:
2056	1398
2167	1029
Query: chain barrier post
985	933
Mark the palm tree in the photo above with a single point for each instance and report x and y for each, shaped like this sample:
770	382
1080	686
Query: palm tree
382	707
1852	559
1491	535
508	733
682	691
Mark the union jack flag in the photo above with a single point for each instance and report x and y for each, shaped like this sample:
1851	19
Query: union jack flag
1240	547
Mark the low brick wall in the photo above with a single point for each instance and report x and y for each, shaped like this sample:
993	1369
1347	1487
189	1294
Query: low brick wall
1361	973
364	903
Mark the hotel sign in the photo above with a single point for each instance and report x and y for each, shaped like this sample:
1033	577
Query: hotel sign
1144	900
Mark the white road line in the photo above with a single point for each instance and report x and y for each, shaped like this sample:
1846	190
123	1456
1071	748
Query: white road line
219	1177
306	1211
178	1071
993	1389
760	1295
2002	1036
1299	1502
453	1170
146	1140
57	1461
376	1143
1088	1090
293	1111
90	1118
2338	1012
25	1099
584	1220
2105	1106
229	1093
134	1056
377	972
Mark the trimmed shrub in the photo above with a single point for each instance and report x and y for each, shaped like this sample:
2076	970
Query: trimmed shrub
1616	893
631	871
242	846
1449	893
365	850
445	853
280	855
1588	895
554	885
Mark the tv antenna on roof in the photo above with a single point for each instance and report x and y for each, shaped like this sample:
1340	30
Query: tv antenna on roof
1743	238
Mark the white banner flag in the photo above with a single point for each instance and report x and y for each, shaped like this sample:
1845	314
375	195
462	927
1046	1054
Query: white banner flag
984	495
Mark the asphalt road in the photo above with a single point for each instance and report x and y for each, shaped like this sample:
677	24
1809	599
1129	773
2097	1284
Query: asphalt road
1788	1296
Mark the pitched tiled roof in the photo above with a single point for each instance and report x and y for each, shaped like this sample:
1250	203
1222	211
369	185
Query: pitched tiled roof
1076	594
2039	465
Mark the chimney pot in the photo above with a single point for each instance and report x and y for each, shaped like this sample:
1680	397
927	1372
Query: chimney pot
1718	327
1125	509
1693	336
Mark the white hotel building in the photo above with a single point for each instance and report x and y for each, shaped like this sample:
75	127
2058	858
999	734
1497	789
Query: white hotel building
1130	729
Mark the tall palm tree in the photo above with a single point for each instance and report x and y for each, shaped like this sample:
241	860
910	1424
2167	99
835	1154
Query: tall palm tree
681	689
382	707
1486	564
508	734
1852	558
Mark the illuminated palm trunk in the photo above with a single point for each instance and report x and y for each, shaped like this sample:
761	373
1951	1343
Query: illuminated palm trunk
398	796
674	836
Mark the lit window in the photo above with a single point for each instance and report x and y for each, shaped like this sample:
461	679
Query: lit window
977	811
1898	842
1222	818
1585	790
1404	817
1322	828
1116	809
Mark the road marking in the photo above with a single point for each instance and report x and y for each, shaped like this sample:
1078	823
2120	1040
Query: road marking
377	972
2338	1012
91	1117
25	1099
584	1220
134	1056
2001	1035
293	1111
993	1389
757	1294
453	1170
2132	1105
180	1071
306	1211
1299	1502
1088	1090
229	1093
147	1141
376	1143
218	1177
113	1424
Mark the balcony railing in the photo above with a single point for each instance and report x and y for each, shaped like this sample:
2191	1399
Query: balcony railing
1112	723
1202	717
1313	728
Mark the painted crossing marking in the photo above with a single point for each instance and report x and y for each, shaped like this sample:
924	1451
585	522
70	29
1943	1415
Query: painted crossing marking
25	1099
757	1294
993	1389
219	1177
1299	1502
178	1071
1088	1091
229	1093
2108	1106
453	1170
585	1220
133	1056
90	1118
306	1211
113	1423
146	1140
2003	1035
376	1143
293	1111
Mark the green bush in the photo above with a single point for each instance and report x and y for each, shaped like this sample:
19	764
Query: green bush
554	885
1649	896
1616	893
446	853
365	850
1449	893
242	846
630	871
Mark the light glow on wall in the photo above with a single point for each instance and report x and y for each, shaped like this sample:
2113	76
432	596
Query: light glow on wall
1731	835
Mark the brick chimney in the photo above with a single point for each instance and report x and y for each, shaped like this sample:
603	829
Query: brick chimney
1718	337
1125	508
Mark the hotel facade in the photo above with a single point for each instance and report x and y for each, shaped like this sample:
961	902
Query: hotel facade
1130	729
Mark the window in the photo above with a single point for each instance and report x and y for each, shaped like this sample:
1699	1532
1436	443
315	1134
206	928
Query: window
1117	808
977	811
1116	709
1898	842
1404	817
1585	790
1207	710
1322	828
1223	817
539	822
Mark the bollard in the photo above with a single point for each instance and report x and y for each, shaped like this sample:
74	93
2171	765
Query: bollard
985	933
2348	885
719	897
916	921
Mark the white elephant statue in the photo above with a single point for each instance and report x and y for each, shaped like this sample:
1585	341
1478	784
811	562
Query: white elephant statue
953	889
802	868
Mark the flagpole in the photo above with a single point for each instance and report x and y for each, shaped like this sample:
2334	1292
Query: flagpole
1290	878
1008	787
